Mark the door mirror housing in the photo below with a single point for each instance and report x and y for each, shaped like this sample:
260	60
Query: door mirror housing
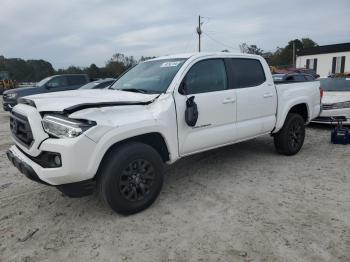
191	112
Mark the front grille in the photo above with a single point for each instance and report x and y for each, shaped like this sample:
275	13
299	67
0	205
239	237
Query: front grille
327	106
20	129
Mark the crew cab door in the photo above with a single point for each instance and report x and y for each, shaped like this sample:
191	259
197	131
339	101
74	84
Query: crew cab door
207	81
256	97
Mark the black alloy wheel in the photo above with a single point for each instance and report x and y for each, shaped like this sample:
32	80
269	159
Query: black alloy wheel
295	137
290	139
131	177
136	180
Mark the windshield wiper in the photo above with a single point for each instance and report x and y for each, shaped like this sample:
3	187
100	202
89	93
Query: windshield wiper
136	90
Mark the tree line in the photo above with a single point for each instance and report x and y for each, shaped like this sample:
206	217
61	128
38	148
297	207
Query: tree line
26	70
35	70
282	56
113	68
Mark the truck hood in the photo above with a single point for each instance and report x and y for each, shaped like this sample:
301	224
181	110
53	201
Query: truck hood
60	101
335	97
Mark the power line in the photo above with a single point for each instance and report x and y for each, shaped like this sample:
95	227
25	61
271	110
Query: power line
219	42
190	42
206	20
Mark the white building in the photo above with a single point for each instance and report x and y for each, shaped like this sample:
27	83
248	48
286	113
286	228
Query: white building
325	60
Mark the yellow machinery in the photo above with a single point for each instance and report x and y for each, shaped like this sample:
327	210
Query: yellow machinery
5	81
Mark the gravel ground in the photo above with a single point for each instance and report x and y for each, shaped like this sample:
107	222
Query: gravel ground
238	203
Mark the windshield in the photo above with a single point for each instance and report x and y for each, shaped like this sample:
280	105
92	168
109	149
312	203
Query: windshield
152	77
44	81
335	84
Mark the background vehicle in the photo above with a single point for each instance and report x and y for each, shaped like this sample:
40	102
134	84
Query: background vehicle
117	140
5	82
336	101
291	70
98	84
292	77
50	84
306	71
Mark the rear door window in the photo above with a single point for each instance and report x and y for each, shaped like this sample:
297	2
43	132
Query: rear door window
247	72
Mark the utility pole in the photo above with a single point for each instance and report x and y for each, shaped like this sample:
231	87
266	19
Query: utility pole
199	32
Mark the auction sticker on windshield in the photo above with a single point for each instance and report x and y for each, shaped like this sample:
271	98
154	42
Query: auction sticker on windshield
170	64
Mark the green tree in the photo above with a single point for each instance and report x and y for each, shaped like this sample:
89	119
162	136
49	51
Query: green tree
250	49
26	70
145	58
118	64
283	57
308	43
93	71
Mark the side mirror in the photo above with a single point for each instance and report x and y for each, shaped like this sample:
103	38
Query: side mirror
191	112
183	88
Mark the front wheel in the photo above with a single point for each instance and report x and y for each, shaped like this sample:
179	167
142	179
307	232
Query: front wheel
131	178
290	139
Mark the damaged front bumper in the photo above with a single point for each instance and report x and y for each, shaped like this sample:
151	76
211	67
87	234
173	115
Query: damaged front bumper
77	189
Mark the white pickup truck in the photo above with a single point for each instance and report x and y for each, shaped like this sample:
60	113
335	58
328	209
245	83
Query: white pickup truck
116	141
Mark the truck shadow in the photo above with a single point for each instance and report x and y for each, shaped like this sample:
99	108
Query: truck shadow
320	126
214	160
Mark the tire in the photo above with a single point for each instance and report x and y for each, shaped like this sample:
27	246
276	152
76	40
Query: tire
131	178
290	139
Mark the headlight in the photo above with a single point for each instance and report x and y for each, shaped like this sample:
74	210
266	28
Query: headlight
341	105
64	127
11	95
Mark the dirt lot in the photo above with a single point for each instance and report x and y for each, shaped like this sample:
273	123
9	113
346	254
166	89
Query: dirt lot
239	203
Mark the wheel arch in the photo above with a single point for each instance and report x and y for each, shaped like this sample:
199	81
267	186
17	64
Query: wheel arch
154	139
301	108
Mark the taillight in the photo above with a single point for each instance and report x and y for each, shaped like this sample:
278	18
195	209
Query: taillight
321	92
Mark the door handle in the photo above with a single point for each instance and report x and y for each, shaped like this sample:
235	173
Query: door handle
267	95
229	100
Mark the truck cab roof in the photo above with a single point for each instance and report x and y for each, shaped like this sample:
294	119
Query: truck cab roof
204	54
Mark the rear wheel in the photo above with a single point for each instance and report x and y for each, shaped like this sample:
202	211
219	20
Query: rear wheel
290	139
131	178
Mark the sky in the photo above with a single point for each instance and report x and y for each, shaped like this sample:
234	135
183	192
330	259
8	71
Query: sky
82	32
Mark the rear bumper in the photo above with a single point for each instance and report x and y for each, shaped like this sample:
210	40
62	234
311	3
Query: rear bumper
331	120
78	189
333	116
